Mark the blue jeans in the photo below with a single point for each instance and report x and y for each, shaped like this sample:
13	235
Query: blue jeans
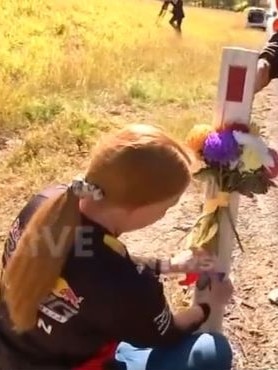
195	352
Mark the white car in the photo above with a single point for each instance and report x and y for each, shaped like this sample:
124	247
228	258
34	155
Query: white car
272	23
259	17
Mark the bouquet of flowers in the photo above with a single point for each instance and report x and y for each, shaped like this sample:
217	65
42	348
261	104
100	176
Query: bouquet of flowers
238	160
235	156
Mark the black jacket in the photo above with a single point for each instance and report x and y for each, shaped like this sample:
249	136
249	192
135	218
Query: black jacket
177	8
101	297
270	53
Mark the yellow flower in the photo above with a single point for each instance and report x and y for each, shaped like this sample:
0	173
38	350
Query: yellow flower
197	135
251	159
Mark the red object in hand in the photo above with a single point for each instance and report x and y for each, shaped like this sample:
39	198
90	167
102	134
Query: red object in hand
190	279
97	362
272	171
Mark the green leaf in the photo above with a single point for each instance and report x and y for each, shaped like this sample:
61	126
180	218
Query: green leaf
231	180
248	183
253	183
204	230
204	173
207	235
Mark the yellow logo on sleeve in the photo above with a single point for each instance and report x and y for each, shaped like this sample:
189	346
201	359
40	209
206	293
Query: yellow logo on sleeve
115	244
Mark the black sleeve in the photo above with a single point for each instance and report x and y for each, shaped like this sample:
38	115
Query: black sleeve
145	319
23	218
270	53
18	226
164	7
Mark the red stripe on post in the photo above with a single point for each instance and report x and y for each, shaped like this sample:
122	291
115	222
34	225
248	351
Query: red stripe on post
236	82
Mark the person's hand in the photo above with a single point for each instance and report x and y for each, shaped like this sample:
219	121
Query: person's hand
186	319
262	78
197	262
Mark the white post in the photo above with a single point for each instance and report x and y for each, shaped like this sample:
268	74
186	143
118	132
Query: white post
233	105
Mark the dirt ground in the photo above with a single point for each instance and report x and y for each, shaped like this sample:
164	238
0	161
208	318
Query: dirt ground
251	322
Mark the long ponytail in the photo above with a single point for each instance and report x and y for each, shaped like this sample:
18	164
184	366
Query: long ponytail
38	260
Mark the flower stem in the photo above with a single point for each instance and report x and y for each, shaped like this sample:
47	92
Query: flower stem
234	228
221	178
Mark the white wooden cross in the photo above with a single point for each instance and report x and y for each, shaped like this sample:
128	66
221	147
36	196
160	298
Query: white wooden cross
233	105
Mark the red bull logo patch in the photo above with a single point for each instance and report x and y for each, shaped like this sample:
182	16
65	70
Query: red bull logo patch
64	291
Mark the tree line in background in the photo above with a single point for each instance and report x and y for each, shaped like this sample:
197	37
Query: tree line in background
236	5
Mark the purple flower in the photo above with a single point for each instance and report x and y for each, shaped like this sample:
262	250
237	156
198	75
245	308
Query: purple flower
221	147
